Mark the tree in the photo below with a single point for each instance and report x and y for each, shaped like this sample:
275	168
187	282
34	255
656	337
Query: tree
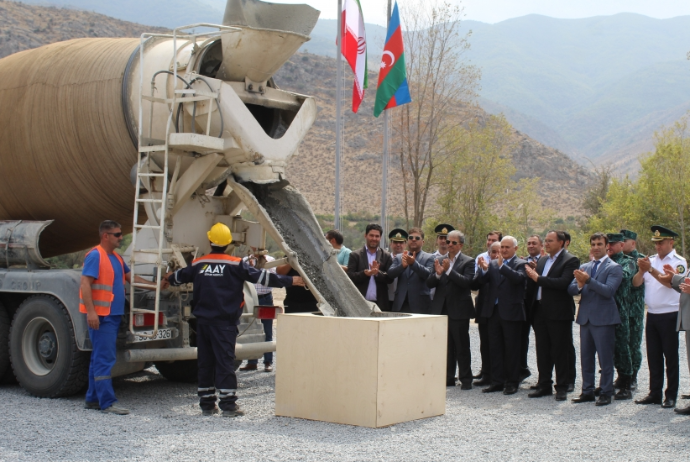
660	195
440	83
476	178
523	211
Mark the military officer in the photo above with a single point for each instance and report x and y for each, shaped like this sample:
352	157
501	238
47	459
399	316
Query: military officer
442	231
398	239
636	308
622	359
662	313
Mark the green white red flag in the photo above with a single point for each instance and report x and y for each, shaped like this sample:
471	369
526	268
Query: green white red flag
354	48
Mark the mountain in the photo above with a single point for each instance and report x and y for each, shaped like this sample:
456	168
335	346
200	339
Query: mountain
563	183
595	88
162	13
312	171
23	27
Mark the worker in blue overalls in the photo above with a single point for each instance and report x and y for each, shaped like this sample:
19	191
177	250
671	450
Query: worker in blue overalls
218	301
102	299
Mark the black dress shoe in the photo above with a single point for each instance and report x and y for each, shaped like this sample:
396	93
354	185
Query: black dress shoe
483	382
668	403
603	400
539	392
466	386
649	399
684	396
534	387
597	391
561	395
682	410
571	387
510	390
584	398
493	389
450	383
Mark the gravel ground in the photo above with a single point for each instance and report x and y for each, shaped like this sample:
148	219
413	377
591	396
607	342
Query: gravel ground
166	424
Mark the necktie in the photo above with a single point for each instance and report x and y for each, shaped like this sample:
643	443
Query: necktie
594	270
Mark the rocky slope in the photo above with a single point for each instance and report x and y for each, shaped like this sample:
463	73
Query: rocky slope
312	171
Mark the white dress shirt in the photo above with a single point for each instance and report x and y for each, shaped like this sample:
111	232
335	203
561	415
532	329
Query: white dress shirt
659	298
547	267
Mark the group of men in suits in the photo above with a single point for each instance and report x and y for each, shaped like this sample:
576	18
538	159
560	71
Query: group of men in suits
516	294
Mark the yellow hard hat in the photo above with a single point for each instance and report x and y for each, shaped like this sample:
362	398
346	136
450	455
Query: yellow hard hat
220	235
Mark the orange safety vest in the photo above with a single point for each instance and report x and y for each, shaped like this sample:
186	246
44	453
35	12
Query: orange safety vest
102	288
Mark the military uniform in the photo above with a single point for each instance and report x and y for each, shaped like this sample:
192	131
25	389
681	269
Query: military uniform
624	298
660	329
396	235
635	314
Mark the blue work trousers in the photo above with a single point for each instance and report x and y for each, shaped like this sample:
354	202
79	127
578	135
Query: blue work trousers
102	361
266	300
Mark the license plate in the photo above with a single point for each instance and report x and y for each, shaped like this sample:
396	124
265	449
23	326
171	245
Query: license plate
163	334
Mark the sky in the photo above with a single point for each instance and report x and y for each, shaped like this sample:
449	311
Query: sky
493	11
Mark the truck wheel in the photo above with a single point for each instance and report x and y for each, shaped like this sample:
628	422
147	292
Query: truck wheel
43	350
4	345
179	371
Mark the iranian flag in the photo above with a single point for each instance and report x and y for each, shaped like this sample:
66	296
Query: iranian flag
354	48
392	89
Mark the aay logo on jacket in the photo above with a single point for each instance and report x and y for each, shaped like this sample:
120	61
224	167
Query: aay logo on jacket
212	270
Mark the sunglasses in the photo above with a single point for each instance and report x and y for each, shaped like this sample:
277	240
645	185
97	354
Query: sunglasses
415	238
453	242
116	234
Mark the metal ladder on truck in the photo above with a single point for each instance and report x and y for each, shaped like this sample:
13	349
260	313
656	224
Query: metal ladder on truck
160	200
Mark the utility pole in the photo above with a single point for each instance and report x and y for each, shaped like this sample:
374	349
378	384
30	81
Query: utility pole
338	112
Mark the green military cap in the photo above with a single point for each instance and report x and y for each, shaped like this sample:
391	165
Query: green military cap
443	229
615	237
398	235
659	233
627	234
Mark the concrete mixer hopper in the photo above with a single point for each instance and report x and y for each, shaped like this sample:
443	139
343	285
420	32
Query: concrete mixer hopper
167	135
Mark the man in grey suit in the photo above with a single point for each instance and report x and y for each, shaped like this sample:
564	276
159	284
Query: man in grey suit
597	282
412	269
452	278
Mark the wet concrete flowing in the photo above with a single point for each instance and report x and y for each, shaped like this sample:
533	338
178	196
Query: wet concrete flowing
297	225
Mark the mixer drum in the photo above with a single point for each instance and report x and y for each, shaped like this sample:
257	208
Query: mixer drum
65	150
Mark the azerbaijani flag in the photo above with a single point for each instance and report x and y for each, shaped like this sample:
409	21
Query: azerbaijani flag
392	90
354	48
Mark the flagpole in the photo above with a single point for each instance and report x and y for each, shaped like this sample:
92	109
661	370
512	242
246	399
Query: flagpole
338	113
384	163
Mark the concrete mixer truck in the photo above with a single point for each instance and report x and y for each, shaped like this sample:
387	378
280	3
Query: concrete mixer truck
166	134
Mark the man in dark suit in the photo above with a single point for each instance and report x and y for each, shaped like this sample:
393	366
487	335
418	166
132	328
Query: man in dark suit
482	322
554	311
368	268
504	305
597	282
412	269
452	278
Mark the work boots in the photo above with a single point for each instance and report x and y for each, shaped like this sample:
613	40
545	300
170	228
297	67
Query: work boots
624	385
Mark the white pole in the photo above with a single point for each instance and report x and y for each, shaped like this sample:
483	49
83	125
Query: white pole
338	113
384	166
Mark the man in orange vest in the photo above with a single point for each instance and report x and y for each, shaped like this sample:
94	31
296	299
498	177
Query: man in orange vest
218	302
102	299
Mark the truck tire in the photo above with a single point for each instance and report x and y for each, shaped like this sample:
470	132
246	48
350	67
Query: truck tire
4	345
179	371
43	349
